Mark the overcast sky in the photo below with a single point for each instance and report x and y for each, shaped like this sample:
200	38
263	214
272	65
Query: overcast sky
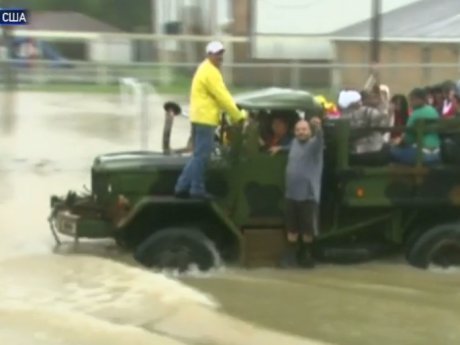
315	16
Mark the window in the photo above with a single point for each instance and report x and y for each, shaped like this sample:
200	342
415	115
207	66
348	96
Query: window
458	58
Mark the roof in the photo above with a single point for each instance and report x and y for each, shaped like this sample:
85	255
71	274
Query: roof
423	21
277	98
299	37
314	17
68	21
273	98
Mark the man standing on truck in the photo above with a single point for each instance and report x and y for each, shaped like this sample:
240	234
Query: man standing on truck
208	98
303	189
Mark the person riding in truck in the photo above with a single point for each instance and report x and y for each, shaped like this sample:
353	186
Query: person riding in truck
406	150
366	148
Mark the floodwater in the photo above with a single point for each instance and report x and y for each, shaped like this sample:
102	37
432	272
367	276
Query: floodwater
93	294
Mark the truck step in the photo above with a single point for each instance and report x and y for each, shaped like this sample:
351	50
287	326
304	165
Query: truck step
263	247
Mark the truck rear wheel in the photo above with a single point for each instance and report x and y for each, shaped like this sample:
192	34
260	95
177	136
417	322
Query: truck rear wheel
177	249
439	245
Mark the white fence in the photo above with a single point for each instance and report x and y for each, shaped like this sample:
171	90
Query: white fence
176	76
100	46
173	65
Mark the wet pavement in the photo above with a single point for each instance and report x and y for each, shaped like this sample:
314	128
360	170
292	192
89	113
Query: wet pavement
94	294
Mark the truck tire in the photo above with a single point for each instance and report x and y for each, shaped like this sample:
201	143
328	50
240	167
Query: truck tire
411	239
177	249
439	245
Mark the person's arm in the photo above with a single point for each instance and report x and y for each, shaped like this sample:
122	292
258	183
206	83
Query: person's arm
370	82
285	147
216	87
411	120
408	137
317	141
286	144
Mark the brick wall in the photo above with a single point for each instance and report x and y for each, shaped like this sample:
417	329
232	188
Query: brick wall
242	17
399	79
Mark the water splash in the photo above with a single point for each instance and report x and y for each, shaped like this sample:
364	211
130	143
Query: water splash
120	295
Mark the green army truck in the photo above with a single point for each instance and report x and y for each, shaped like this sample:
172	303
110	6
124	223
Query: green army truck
366	211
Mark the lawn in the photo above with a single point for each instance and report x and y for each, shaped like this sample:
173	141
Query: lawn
179	89
173	89
87	80
94	78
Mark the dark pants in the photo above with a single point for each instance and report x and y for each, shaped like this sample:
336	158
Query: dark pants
302	217
408	155
376	158
192	176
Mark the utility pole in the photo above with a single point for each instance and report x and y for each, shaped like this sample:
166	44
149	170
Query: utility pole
375	33
7	67
213	20
376	30
9	75
7	38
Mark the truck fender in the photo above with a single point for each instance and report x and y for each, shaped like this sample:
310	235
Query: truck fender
153	213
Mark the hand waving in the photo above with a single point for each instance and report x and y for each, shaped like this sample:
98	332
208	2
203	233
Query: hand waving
315	122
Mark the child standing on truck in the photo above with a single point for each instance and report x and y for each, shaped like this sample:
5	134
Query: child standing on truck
303	188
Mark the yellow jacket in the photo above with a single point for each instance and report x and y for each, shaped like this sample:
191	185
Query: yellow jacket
209	97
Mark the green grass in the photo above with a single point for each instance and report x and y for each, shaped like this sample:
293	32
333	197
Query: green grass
180	89
180	82
174	88
179	85
84	88
95	88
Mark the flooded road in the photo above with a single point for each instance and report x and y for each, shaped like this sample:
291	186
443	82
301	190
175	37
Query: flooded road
93	294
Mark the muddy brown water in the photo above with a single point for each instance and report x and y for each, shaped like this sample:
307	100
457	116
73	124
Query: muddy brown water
94	294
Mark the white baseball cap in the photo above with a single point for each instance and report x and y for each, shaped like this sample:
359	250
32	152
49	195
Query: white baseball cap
347	98
214	47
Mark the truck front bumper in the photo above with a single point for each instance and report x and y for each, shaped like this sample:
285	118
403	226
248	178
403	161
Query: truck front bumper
65	223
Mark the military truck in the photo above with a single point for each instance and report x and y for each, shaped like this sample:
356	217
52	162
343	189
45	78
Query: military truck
366	211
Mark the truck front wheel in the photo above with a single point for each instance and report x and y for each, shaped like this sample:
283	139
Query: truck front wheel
177	249
439	245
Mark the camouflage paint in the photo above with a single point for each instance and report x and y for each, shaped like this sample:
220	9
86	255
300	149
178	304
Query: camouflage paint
390	200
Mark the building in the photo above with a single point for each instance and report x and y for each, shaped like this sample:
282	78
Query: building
100	49
426	32
296	29
280	31
198	16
